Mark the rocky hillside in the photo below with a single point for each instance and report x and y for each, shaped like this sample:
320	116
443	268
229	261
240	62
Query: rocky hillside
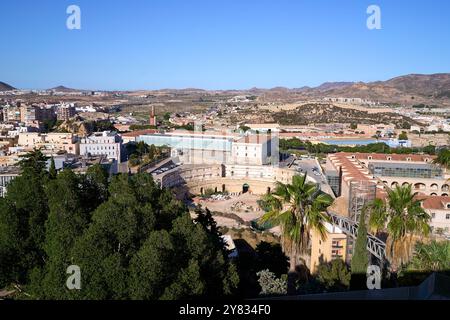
433	90
6	87
327	113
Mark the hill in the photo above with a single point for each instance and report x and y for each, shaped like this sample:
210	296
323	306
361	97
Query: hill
6	87
64	89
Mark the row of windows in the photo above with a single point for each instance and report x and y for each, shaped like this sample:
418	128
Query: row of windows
101	148
447	216
87	141
389	158
426	173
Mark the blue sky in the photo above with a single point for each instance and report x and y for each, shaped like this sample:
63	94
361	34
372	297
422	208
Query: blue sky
218	44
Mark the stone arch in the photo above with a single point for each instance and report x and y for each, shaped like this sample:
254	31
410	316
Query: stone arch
420	186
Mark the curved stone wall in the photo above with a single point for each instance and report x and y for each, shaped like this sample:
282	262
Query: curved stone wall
260	179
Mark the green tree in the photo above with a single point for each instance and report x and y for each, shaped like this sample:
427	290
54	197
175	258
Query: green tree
403	136
334	275
68	218
360	258
26	199
167	116
134	241
298	208
270	284
403	217
244	128
52	170
433	256
443	158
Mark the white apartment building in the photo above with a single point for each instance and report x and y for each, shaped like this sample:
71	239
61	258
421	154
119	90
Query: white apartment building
252	150
105	143
439	210
217	148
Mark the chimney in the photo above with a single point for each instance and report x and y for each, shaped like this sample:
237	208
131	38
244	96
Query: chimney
153	117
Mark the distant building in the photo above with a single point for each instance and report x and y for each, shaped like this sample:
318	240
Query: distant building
11	114
396	143
217	148
30	114
7	174
105	143
65	111
52	142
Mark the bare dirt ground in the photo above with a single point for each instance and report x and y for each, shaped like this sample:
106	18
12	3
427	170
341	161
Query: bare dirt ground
245	206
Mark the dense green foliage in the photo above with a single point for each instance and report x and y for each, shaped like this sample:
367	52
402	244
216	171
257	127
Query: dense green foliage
141	153
433	256
131	239
134	127
330	276
380	147
270	284
334	275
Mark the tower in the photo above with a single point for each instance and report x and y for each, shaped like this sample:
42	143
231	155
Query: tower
153	117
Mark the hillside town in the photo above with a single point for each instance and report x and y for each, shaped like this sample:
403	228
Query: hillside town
229	159
218	160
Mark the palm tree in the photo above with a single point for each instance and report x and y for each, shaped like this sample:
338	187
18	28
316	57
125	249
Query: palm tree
403	217
443	158
298	209
434	256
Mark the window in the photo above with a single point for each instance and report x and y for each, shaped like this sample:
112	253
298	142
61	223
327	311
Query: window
447	216
389	158
433	215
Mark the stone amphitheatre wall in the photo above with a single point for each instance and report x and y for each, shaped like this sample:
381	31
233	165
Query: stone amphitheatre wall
233	179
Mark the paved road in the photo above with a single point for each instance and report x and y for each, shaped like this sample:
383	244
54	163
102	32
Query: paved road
312	168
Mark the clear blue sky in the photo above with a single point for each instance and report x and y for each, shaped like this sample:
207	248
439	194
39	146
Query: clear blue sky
219	44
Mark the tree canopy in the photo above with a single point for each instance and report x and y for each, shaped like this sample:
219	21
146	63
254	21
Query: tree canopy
130	238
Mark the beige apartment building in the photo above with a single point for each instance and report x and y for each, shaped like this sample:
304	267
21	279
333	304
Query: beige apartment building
326	250
358	178
52	142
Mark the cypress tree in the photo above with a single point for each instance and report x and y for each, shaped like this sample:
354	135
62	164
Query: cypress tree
360	259
52	170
